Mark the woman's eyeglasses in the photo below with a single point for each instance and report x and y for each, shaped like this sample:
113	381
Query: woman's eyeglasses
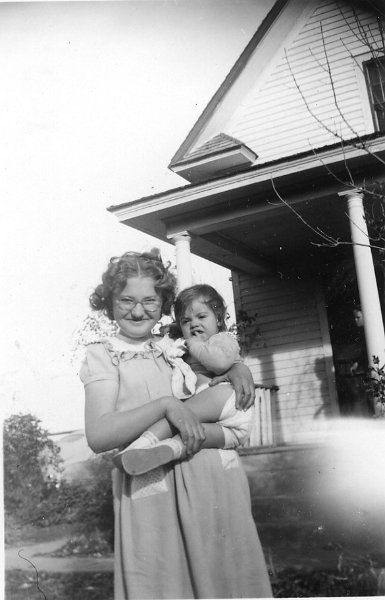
129	305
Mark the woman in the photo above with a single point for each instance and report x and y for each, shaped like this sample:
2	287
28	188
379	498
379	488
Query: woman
184	530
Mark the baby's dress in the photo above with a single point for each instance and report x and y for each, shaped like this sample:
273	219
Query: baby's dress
184	530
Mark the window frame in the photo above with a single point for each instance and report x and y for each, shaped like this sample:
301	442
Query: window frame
378	127
358	61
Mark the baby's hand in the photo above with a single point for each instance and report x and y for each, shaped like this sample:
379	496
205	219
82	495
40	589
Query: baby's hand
191	342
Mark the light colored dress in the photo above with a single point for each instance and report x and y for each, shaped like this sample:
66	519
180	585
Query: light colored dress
184	530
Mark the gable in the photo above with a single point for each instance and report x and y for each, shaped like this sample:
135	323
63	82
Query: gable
312	97
301	87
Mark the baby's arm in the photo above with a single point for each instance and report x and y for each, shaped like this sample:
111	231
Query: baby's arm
217	354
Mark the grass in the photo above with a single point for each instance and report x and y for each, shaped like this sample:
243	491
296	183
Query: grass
30	534
292	583
22	585
352	575
289	583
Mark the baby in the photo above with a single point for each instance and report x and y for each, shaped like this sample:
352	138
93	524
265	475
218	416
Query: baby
206	350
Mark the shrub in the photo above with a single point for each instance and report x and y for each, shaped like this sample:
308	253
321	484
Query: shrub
86	505
32	465
95	512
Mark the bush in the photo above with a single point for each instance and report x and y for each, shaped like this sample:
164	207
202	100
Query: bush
86	505
34	494
61	505
95	512
32	466
93	544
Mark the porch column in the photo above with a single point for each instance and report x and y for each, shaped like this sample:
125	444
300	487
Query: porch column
181	242
366	279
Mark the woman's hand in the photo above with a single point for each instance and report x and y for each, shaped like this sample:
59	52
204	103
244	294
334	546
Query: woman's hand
241	379
187	424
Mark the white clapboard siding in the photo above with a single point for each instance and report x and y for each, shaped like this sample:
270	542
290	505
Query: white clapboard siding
273	119
289	351
261	433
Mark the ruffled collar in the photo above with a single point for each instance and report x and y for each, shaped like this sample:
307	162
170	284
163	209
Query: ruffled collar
120	350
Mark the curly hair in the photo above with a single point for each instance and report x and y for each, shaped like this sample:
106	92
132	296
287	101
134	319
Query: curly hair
206	294
134	264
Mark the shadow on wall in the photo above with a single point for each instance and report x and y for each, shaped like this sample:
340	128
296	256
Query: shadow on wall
320	371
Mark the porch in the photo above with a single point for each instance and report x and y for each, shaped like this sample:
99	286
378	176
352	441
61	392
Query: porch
276	236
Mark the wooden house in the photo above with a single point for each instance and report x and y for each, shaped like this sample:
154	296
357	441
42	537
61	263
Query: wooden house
274	172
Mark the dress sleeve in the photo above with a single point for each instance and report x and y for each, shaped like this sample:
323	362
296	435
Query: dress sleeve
97	365
217	354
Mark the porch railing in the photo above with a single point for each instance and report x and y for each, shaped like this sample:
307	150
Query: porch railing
262	433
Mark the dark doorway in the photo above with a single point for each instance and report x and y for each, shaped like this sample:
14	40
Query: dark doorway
348	340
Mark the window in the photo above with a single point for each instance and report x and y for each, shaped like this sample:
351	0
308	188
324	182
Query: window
375	79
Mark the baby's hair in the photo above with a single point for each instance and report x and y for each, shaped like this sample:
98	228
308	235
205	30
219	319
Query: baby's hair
134	264
204	293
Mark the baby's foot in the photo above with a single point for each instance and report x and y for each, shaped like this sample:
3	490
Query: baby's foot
146	440
137	461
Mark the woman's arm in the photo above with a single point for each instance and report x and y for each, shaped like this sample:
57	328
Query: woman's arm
107	429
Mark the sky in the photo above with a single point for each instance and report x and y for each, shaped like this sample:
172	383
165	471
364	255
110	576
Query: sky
95	98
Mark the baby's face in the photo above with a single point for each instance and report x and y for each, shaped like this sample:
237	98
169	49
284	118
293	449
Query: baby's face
199	321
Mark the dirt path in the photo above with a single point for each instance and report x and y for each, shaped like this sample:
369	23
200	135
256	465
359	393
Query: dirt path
21	558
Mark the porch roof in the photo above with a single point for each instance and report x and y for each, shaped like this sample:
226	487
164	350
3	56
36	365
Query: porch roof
242	220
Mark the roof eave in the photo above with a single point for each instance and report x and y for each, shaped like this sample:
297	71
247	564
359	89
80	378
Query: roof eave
215	163
277	170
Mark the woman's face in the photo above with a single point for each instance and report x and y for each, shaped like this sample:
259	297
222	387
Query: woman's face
137	308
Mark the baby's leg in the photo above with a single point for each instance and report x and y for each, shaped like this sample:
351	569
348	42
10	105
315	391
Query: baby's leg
207	405
214	405
136	461
224	425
